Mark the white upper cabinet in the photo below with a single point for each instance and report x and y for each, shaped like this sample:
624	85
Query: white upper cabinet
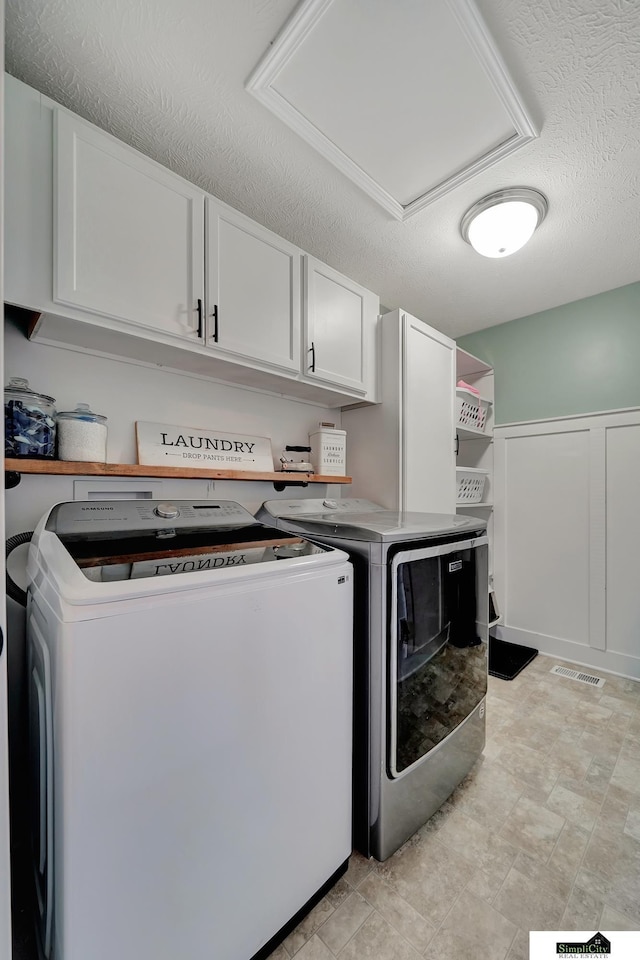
114	254
340	319
253	290
128	235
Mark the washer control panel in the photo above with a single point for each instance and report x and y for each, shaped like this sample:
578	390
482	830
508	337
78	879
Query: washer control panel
126	517
168	511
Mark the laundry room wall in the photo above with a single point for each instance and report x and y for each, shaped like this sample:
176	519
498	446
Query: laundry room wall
566	452
579	358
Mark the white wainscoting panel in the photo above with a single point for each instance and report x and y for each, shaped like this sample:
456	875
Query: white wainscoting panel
623	540
567	529
598	538
547	514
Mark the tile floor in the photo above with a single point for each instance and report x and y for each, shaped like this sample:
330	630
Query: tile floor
544	833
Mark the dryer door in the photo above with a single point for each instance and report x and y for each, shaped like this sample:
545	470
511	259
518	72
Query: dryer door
437	650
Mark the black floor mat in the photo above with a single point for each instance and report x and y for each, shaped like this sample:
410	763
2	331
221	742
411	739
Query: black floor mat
506	660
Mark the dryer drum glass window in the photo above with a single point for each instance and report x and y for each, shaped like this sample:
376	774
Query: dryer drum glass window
437	663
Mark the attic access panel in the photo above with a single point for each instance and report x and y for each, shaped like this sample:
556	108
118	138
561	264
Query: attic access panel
408	98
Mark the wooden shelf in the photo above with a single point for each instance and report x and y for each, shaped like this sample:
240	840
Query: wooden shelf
85	469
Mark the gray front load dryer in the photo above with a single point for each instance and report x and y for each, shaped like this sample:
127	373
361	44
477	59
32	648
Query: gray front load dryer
420	655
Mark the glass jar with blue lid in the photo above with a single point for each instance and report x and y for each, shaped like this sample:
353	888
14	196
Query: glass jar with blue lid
29	421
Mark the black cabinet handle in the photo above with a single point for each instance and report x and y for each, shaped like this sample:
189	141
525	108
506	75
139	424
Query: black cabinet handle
312	351
200	318
214	335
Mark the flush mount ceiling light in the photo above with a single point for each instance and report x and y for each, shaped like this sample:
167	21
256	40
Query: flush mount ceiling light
501	223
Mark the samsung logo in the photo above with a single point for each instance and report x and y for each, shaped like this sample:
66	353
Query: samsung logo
96	508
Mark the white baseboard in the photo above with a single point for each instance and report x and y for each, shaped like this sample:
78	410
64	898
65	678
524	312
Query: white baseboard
578	653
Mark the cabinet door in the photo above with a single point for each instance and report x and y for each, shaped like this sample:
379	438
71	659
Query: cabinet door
129	236
339	322
253	290
428	390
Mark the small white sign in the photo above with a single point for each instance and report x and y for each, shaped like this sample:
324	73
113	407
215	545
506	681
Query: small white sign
166	445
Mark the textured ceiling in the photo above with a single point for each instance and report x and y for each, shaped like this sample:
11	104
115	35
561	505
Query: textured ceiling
167	76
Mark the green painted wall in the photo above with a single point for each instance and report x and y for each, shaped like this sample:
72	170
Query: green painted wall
579	358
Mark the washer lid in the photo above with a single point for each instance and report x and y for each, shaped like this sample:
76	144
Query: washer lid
353	519
136	539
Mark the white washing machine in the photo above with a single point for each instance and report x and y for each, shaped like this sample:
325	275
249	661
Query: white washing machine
190	675
420	655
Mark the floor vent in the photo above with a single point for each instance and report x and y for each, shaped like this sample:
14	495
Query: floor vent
582	677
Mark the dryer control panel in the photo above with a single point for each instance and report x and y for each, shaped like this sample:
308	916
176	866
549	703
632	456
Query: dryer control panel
307	507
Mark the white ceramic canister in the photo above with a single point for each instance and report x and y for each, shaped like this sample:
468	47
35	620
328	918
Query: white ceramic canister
329	450
82	435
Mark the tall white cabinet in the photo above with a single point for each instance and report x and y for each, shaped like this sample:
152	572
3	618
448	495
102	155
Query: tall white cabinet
401	453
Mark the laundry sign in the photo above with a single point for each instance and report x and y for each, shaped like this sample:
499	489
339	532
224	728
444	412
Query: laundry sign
166	445
197	563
